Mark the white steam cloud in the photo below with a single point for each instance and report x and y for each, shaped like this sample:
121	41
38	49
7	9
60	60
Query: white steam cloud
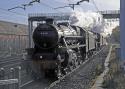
91	21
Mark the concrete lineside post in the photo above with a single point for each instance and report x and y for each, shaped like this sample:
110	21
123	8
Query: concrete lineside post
122	31
2	75
29	32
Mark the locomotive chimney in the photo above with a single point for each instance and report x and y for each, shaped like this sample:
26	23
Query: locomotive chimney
49	21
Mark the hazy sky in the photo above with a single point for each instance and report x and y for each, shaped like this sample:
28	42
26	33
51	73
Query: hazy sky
46	6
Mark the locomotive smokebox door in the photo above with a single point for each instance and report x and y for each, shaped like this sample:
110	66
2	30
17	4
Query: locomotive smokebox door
45	36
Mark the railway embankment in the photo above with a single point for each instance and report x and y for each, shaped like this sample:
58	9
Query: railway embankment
113	75
83	77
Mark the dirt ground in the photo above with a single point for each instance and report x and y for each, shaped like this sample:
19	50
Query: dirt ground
115	79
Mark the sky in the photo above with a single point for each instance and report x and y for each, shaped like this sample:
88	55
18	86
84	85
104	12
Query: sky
47	6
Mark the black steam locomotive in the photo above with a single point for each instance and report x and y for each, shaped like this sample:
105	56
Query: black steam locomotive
61	47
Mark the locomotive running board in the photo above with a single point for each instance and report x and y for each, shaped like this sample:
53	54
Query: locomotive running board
75	46
71	47
73	37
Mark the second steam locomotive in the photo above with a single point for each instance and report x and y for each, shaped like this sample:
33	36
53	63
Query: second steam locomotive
61	47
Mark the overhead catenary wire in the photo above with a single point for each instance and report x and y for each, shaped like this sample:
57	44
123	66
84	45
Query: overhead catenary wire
16	13
49	6
69	1
72	5
12	19
93	2
59	2
31	3
23	6
96	7
62	7
5	16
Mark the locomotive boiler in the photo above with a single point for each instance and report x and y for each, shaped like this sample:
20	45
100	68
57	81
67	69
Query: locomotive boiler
59	48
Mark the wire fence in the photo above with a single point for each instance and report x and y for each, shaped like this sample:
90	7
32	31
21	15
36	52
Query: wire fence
11	55
13	43
10	79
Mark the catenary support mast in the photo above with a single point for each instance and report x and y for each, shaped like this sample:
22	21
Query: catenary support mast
122	30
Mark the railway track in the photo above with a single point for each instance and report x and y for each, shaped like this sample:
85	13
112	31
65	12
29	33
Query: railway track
8	62
28	83
11	61
6	55
60	84
7	66
3	54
